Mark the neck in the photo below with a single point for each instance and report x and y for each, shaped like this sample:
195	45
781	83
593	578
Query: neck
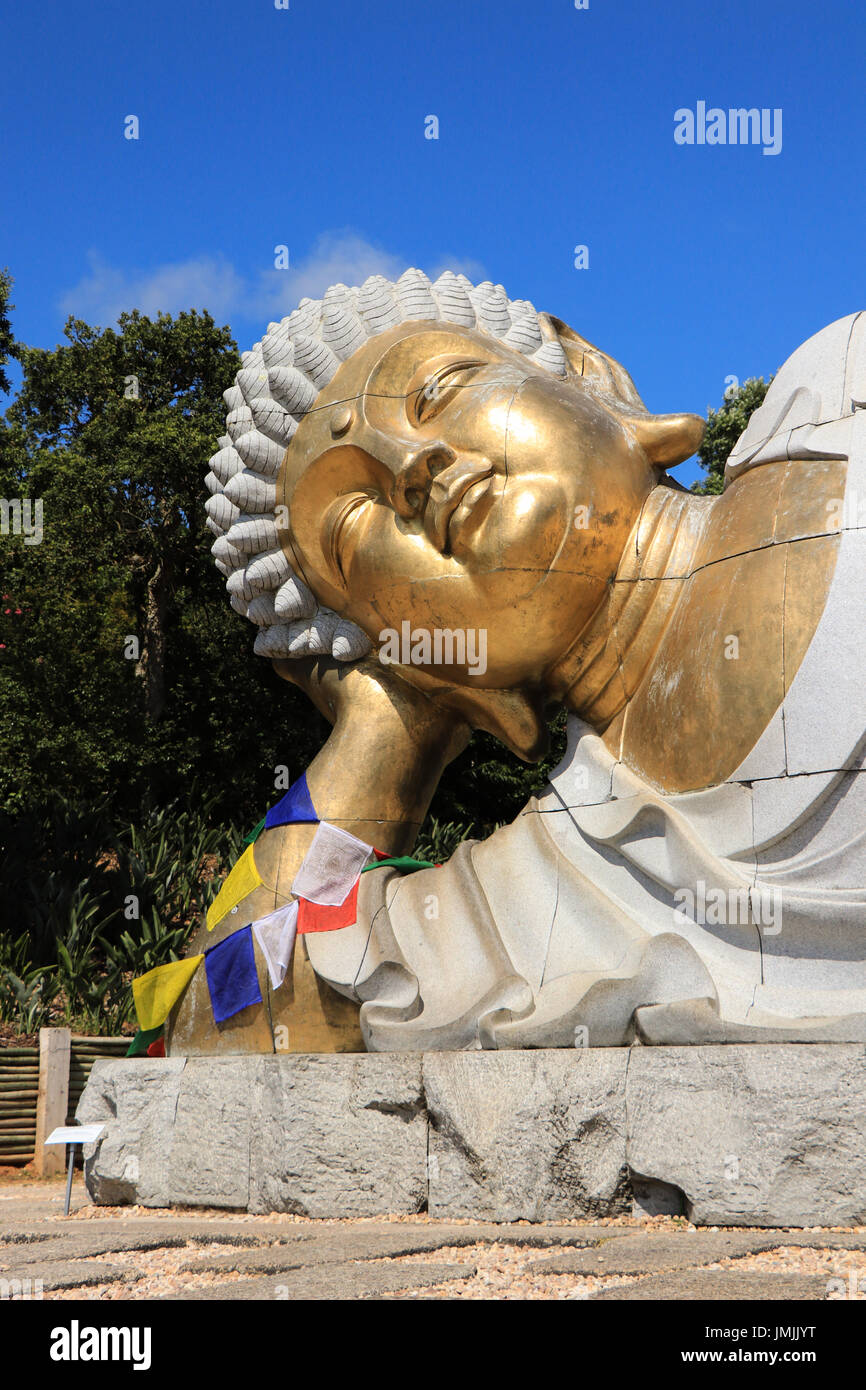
608	659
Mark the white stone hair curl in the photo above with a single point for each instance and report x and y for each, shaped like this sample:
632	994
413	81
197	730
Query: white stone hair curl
279	381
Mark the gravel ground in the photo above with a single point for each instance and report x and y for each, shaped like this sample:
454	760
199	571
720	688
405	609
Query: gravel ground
496	1269
504	1272
160	1279
793	1259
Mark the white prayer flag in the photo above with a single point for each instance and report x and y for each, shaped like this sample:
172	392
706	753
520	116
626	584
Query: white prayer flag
331	866
276	937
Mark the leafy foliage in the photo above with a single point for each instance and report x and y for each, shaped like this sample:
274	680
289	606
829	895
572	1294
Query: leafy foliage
125	555
26	990
437	841
8	347
91	904
724	427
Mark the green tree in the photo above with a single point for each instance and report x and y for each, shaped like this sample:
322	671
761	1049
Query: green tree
8	346
724	427
112	430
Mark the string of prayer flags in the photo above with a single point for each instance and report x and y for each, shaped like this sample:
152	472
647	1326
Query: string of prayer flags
143	1040
157	992
276	937
331	866
295	808
320	917
255	832
404	862
232	977
243	879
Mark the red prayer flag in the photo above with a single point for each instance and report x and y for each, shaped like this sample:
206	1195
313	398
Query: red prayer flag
319	917
157	1048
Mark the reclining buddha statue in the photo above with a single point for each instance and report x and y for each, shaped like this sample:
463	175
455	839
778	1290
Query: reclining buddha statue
445	511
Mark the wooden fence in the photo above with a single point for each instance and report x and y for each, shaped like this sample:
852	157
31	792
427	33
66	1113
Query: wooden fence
19	1089
40	1088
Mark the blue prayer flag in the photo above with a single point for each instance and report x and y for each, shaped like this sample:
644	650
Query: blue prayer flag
295	807
231	974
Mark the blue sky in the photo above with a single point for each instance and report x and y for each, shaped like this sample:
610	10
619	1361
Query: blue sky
305	127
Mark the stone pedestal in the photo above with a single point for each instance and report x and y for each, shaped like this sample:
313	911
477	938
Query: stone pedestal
743	1134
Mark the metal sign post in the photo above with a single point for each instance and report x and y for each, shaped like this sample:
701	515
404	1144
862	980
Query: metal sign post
70	1135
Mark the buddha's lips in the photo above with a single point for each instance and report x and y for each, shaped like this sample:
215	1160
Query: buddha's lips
447	491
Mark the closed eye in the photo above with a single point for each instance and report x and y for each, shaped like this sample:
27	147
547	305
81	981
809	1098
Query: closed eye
440	388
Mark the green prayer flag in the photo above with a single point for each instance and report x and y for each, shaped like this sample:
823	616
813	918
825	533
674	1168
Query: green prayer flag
254	834
142	1041
404	862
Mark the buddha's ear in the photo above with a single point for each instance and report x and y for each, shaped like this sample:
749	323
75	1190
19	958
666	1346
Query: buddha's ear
666	439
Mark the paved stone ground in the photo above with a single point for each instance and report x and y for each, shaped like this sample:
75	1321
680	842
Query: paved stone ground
136	1253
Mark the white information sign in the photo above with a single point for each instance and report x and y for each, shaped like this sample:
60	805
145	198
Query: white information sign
75	1134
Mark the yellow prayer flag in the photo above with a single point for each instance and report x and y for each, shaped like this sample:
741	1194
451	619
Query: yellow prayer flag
243	878
157	992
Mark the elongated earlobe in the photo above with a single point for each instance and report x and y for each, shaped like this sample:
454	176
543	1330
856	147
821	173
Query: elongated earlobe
666	439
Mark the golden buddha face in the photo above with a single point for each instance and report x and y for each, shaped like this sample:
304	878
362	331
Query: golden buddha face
446	481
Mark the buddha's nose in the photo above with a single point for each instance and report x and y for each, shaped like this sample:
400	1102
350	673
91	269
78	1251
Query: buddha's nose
412	483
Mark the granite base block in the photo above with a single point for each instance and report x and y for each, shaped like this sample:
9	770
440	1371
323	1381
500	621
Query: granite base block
740	1135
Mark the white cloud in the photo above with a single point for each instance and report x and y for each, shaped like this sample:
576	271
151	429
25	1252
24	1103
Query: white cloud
213	283
336	258
208	282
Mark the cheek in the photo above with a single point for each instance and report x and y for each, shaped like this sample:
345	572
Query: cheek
394	575
525	531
